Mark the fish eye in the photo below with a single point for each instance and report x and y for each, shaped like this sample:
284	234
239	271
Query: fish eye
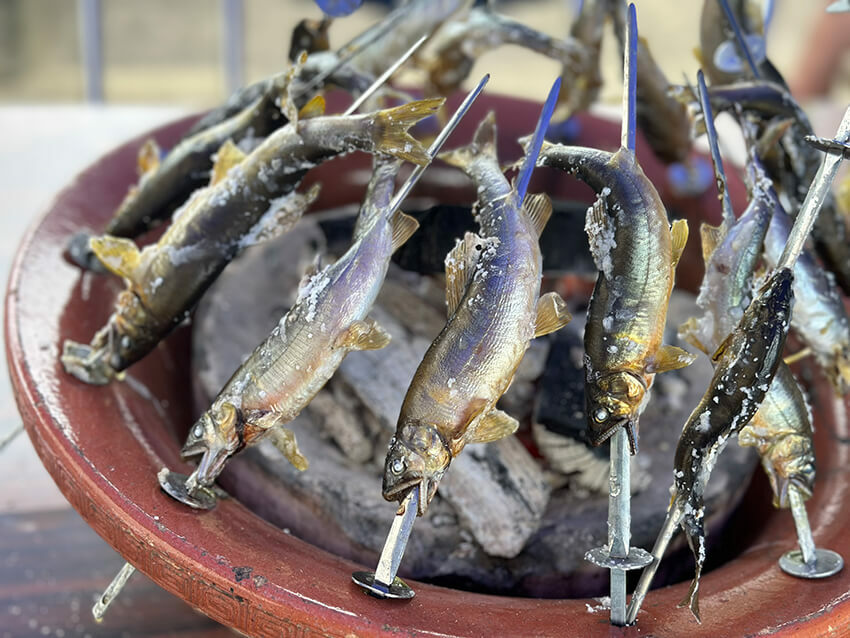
600	415
198	432
397	466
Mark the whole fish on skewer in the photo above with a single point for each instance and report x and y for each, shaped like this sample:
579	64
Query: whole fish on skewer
494	307
458	44
636	251
165	185
250	197
781	430
327	321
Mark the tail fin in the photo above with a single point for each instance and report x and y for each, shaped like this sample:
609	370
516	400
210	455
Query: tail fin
537	140
391	136
484	143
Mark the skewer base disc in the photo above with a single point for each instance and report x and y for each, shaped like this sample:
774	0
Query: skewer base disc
826	564
174	484
637	559
398	590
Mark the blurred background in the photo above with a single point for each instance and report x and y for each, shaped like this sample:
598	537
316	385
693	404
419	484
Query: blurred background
194	52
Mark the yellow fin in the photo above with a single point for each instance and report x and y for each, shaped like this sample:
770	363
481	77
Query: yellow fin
403	227
284	440
119	255
364	335
392	137
697	52
484	143
688	332
493	426
773	132
672	358
313	108
843	195
228	156
711	236
460	266
538	208
679	237
552	314
289	211
148	157
285	100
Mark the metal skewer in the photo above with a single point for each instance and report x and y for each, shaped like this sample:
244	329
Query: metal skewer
112	591
384	76
11	436
808	561
740	40
617	555
716	160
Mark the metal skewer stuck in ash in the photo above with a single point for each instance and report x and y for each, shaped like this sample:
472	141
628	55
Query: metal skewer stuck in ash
617	555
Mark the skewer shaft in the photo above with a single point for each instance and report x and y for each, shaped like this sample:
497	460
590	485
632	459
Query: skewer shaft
716	160
814	199
661	543
804	530
396	541
619	521
740	40
112	591
384	77
11	436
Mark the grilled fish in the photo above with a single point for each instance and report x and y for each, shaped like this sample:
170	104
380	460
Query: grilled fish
327	321
249	198
636	252
494	309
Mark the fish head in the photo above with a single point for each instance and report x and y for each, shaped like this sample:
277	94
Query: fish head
613	401
418	455
216	437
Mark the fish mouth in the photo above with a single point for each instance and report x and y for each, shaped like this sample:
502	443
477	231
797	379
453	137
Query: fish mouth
598	437
211	465
427	490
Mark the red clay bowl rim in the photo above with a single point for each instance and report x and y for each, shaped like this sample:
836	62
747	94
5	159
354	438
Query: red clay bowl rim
306	589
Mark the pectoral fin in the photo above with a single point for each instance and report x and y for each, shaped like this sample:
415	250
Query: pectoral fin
228	156
148	157
552	314
493	426
313	108
538	209
460	266
672	358
403	227
364	335
119	255
284	440
679	237
688	331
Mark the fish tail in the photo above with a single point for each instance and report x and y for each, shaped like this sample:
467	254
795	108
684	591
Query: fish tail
691	599
484	143
695	535
392	137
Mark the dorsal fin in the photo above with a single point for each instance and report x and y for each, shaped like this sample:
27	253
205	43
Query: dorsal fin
538	209
403	227
228	156
483	143
148	157
678	237
287	100
711	236
119	255
313	108
460	266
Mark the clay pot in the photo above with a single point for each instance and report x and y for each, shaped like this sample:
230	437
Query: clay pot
104	445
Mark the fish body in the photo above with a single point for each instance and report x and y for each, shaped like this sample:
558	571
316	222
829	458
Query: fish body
820	317
253	198
745	365
458	45
718	54
781	430
662	119
327	321
492	289
636	253
582	78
